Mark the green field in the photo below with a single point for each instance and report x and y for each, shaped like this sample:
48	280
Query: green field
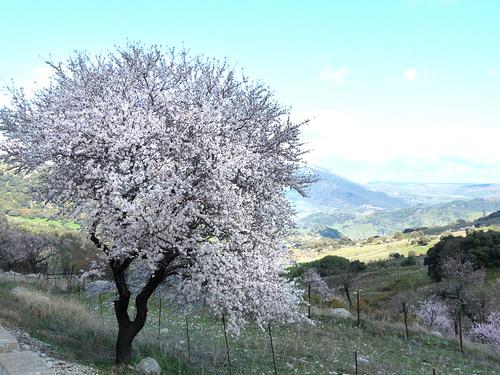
42	224
364	252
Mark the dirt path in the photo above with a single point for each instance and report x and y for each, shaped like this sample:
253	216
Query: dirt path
26	342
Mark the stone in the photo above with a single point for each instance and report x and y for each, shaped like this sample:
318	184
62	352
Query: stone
8	343
341	313
363	360
437	334
23	363
148	366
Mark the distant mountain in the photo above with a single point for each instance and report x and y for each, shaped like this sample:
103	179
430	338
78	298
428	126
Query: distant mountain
332	192
433	193
358	225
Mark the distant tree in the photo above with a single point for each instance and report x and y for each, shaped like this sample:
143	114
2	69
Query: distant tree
8	255
330	233
488	332
411	260
349	278
398	236
170	161
434	314
482	249
317	284
34	248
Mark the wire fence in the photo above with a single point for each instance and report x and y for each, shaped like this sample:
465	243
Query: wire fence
177	332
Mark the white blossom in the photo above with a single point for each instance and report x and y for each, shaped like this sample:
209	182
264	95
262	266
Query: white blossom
171	161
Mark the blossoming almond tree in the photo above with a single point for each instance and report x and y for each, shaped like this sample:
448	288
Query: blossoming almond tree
173	162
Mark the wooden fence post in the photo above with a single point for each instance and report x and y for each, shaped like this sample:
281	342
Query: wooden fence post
100	304
405	311
460	331
272	349
309	297
188	341
358	309
159	320
356	362
227	345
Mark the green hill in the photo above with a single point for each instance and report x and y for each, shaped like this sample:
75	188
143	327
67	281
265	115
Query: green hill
363	224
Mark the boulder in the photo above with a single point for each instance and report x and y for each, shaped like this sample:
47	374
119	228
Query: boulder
437	334
341	313
148	366
363	360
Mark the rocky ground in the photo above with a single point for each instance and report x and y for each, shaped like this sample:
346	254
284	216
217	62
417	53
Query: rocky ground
26	342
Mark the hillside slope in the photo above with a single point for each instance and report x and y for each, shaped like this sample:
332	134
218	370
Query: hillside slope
333	192
380	222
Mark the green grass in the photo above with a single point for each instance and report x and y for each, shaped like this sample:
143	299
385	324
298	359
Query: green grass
75	332
364	253
82	334
42	224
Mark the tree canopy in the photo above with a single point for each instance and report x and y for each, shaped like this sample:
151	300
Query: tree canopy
481	248
171	162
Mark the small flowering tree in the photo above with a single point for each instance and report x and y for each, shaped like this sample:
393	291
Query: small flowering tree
434	314
172	162
488	332
318	286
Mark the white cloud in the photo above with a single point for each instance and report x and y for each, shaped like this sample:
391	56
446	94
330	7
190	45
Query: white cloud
361	149
410	74
334	76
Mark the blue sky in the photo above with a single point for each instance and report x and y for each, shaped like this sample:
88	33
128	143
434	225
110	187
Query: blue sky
404	90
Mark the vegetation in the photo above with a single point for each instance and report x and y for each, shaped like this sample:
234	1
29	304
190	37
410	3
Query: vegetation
481	248
308	249
175	167
323	348
358	224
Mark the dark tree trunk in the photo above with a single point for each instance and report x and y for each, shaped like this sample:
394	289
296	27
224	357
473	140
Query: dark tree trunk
127	328
348	295
126	335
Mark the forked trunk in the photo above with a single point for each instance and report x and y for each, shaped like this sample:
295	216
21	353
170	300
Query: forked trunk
128	330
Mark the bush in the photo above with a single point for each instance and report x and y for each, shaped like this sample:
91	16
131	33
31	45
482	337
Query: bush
327	266
398	236
423	241
337	303
480	248
410	261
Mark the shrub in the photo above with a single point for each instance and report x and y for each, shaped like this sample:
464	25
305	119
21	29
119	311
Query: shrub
410	261
423	241
434	314
488	332
480	248
337	303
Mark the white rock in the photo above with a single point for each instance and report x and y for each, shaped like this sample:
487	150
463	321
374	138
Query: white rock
341	313
363	360
148	366
437	334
